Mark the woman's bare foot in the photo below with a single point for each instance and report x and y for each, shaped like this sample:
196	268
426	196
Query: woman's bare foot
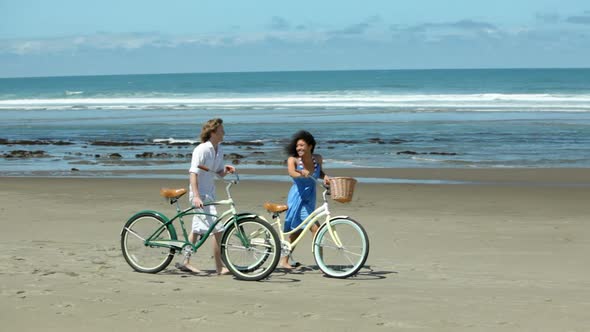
223	271
284	263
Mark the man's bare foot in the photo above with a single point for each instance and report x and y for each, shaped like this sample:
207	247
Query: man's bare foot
223	271
285	265
186	267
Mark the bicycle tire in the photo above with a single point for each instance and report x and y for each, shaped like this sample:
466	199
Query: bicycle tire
257	260
347	260
139	255
254	265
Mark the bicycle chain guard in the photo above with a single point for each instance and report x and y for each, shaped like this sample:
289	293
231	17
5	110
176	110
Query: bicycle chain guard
285	248
187	251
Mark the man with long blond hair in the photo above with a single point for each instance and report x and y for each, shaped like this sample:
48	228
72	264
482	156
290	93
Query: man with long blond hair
206	164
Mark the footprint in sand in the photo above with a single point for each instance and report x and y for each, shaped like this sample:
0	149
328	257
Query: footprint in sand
400	324
97	261
63	308
310	315
196	319
242	313
370	315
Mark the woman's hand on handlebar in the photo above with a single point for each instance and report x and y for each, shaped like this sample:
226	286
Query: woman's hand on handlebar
326	181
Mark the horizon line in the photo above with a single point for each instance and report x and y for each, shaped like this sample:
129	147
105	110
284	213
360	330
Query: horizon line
291	71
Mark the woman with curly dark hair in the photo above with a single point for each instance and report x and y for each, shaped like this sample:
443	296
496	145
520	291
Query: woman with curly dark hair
305	168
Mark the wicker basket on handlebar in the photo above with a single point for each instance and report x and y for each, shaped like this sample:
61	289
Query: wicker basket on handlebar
342	188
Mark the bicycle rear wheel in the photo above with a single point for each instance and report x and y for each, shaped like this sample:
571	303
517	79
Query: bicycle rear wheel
250	248
345	260
138	254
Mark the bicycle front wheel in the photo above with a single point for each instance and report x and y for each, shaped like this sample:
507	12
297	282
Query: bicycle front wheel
250	249
342	254
138	253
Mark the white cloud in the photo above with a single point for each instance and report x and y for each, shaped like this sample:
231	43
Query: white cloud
459	29
132	41
369	30
100	41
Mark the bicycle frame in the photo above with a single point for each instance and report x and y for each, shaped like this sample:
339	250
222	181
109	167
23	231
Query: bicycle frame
320	212
179	244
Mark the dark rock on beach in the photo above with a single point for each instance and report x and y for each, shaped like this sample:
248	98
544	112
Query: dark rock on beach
145	155
244	143
376	140
397	141
234	156
4	141
444	153
26	154
408	152
271	162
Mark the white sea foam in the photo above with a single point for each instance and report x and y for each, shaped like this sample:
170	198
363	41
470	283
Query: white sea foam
73	93
411	102
174	141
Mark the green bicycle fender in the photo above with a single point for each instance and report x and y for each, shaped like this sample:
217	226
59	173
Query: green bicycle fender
244	215
156	214
249	215
321	227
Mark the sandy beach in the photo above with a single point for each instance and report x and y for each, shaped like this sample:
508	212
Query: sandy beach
505	251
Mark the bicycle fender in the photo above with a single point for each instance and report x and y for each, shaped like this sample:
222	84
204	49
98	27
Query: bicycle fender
155	214
238	217
322	226
244	215
251	215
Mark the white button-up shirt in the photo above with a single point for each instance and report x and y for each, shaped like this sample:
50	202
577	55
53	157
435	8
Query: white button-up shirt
204	154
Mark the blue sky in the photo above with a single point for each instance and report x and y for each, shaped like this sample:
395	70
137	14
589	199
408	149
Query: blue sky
55	38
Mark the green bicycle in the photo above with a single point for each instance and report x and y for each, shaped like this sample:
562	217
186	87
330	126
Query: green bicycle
250	246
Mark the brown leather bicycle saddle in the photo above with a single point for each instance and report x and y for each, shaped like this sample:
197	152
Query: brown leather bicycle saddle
172	193
275	207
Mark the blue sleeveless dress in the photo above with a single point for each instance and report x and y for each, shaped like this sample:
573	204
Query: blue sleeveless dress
302	196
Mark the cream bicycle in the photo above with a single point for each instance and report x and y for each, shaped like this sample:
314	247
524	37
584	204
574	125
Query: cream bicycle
340	246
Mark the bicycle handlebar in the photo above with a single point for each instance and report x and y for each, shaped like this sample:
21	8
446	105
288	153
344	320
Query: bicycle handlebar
236	180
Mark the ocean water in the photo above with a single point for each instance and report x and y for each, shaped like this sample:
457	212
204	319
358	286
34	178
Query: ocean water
390	118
